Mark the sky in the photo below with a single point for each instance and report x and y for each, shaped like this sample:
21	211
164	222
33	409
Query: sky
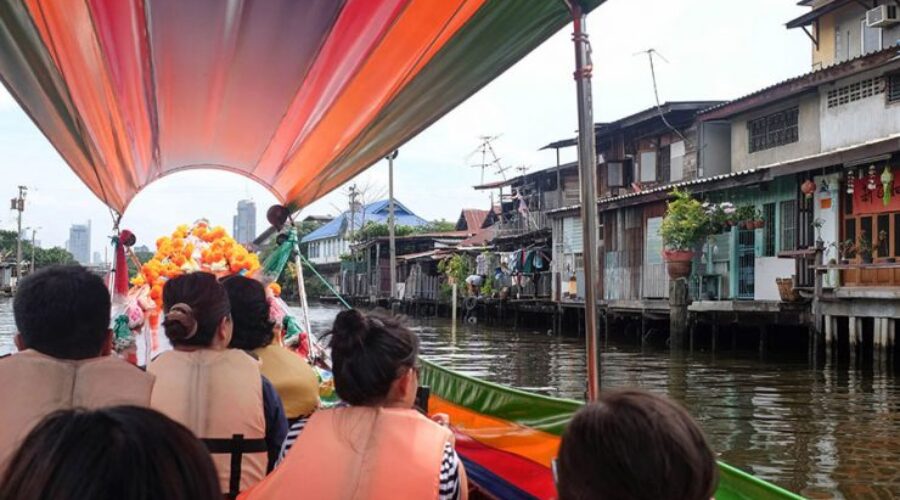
713	50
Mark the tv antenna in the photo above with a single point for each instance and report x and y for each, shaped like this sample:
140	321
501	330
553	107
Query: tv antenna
489	158
650	53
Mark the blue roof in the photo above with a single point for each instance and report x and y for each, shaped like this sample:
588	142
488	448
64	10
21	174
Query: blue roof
373	212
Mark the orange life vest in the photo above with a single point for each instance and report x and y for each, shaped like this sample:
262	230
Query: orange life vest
217	394
362	453
35	385
293	379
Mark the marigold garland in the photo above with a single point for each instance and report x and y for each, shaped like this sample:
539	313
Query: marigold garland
194	248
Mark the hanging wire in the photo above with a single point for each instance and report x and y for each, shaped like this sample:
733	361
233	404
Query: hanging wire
650	53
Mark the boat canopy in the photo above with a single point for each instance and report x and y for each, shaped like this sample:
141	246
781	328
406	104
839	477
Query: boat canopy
297	95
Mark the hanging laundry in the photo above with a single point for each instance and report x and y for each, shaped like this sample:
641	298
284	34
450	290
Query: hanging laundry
481	268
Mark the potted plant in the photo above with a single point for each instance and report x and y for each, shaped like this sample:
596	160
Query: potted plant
846	250
882	243
683	227
746	217
864	248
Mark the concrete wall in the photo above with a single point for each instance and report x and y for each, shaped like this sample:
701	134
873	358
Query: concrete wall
830	219
848	44
767	269
872	117
809	143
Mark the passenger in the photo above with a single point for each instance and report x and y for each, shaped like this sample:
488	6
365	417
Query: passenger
405	455
293	378
62	317
633	445
217	392
123	452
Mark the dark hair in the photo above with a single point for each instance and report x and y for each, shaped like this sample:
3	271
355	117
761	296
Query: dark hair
63	311
633	445
250	313
194	305
369	352
118	452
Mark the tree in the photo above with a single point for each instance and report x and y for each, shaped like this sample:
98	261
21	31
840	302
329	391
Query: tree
42	256
437	226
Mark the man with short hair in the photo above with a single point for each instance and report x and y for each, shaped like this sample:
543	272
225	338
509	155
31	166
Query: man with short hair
62	319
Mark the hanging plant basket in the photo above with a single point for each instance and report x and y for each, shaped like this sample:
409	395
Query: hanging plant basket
678	263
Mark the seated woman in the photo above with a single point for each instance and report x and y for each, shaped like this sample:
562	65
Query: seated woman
116	452
405	455
217	392
633	445
294	380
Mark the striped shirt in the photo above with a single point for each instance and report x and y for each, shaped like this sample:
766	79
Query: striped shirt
449	485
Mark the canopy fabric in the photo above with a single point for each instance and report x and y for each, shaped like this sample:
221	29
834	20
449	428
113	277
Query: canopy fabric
300	95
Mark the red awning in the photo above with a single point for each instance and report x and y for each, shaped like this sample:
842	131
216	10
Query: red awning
298	95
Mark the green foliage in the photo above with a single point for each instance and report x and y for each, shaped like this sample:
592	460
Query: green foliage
685	224
436	226
456	268
42	256
372	230
487	289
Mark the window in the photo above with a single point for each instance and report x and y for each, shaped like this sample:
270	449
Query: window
837	43
648	166
769	230
855	91
896	235
664	171
774	130
871	37
865	229
788	225
882	240
676	169
893	88
615	174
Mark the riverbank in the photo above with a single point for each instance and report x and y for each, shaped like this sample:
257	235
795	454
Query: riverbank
826	431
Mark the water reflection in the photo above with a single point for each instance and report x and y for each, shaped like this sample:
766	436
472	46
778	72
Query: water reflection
824	433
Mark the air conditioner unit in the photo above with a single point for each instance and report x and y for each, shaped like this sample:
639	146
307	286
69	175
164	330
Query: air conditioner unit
882	16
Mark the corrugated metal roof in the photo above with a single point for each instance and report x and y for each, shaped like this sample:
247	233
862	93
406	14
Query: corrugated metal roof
798	84
373	212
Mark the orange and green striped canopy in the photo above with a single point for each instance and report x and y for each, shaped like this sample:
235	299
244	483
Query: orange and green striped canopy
300	95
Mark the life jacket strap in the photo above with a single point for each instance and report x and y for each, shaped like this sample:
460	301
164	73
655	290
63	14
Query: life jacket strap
237	446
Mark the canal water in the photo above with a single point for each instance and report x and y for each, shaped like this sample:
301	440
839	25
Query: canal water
825	433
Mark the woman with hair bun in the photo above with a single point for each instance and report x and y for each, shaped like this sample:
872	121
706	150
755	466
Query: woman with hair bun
379	446
216	392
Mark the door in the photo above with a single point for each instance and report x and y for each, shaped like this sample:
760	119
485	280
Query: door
746	255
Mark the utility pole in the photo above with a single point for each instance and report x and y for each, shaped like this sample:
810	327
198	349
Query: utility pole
33	239
392	242
18	204
587	172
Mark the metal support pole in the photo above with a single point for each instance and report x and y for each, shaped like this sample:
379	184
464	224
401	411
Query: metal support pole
33	239
587	172
301	289
20	207
391	223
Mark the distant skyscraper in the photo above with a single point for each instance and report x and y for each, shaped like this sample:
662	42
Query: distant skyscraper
98	259
245	222
80	242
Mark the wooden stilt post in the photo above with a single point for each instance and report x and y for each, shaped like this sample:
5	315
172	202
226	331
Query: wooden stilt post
762	341
679	299
853	337
714	334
